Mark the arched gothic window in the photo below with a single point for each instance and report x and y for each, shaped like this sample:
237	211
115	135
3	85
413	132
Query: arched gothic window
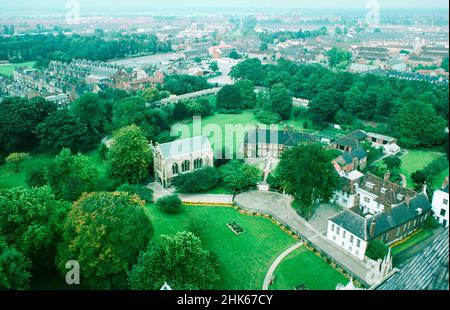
198	163
185	166
175	169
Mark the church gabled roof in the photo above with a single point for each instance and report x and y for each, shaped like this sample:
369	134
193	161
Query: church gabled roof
426	271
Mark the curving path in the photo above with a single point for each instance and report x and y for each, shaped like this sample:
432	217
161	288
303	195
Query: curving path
276	262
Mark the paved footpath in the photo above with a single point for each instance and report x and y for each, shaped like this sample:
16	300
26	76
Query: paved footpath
280	206
276	262
206	198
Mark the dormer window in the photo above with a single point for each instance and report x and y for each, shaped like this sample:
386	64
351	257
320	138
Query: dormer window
399	196
370	185
383	190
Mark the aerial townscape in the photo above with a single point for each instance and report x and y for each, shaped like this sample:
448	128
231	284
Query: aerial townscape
271	145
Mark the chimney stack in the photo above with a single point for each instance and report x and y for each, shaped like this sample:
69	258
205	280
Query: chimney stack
408	199
372	228
387	176
387	209
445	183
355	163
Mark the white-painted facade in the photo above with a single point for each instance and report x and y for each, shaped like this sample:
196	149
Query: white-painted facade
344	199
368	202
440	207
346	240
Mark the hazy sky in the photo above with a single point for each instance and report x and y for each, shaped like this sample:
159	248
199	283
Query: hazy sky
150	4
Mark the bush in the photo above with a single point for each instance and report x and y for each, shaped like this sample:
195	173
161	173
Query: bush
376	250
141	191
430	223
169	204
103	151
36	177
197	181
267	117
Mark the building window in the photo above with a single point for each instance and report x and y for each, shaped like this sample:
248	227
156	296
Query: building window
175	169
332	227
338	230
334	238
198	163
445	201
350	248
185	166
343	233
356	253
370	185
342	243
366	199
358	243
443	211
383	190
351	239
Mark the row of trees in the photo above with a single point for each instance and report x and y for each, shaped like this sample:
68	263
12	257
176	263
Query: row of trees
65	48
107	233
342	97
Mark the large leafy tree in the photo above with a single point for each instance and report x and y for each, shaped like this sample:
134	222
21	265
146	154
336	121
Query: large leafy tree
16	159
91	111
247	91
105	232
281	101
237	175
14	268
229	97
180	260
18	121
338	58
417	124
306	173
130	155
62	129
70	175
323	107
31	221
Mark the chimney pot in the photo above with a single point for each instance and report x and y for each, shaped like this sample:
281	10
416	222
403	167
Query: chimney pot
372	228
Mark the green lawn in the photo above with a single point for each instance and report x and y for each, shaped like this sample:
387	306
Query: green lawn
418	159
244	259
417	238
303	267
229	129
9	178
8	69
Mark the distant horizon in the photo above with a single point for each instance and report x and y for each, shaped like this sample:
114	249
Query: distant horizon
32	5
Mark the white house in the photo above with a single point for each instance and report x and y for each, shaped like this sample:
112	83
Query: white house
374	208
440	204
348	231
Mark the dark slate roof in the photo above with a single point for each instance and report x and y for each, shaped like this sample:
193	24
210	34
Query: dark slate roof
347	157
358	135
287	138
359	226
399	215
391	190
445	189
426	271
352	139
351	222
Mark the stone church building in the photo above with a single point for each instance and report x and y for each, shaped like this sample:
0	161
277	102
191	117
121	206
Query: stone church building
180	156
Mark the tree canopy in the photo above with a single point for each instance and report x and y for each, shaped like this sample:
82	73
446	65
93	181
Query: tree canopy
298	169
105	232
180	260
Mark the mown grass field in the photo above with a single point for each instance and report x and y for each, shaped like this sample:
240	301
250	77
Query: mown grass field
228	130
418	159
8	69
420	236
10	178
244	259
303	268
